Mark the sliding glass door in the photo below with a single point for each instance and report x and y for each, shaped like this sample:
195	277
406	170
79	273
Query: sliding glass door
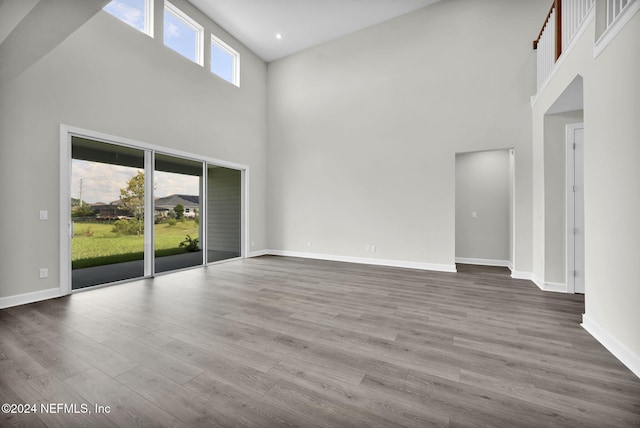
177	209
224	213
107	213
135	211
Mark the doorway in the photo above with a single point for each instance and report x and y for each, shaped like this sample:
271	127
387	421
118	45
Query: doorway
575	208
484	207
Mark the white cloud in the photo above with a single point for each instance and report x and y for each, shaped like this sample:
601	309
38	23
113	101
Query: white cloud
167	184
126	12
171	30
102	182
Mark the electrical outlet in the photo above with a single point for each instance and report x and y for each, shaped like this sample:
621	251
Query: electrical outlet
309	244
44	215
44	272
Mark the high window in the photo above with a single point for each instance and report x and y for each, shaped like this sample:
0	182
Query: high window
225	61
137	13
183	34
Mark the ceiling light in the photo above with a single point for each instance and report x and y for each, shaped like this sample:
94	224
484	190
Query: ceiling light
278	36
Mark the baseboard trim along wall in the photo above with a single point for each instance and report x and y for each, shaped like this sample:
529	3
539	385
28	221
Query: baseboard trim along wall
258	253
367	261
519	274
23	299
621	352
556	287
483	262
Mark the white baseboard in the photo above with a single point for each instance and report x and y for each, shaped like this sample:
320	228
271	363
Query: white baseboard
23	299
555	287
519	274
483	262
620	351
367	261
537	281
258	253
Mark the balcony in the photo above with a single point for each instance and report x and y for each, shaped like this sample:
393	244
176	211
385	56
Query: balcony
564	22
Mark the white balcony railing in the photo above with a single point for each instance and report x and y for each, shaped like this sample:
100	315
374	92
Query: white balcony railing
559	28
573	14
546	48
614	8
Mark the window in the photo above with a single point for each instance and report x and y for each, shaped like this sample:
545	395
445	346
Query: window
225	61
182	34
137	13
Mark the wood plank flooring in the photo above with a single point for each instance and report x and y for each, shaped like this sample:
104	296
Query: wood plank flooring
275	341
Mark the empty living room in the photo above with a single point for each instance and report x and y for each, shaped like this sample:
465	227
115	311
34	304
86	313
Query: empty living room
300	213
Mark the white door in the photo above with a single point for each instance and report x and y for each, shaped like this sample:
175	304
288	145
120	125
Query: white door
575	208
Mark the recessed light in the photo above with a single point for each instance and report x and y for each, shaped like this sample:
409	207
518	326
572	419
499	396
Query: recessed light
278	36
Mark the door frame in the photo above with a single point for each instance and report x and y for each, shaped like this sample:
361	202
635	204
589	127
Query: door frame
66	134
571	129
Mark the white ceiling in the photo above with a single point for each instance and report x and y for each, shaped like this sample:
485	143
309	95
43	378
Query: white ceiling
302	23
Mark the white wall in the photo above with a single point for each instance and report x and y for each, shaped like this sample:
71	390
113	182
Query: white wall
482	188
611	184
11	13
110	78
612	190
363	130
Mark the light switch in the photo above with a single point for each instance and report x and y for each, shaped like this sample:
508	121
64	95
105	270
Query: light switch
474	214
44	215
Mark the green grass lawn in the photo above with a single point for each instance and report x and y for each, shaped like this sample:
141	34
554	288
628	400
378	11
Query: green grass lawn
95	244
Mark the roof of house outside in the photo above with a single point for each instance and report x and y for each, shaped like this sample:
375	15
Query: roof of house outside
173	200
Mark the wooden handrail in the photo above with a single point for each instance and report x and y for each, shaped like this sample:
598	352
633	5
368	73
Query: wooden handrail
544	24
557	5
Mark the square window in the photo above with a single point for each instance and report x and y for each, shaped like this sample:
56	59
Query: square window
137	13
182	34
225	61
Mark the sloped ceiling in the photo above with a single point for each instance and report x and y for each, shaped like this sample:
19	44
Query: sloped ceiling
302	23
36	29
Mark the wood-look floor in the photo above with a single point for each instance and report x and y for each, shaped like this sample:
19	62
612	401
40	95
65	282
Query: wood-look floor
274	341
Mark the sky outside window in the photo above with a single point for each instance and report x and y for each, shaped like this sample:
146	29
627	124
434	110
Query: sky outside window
180	36
128	11
221	62
101	182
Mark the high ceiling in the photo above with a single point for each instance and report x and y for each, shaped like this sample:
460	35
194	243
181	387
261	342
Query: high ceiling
302	23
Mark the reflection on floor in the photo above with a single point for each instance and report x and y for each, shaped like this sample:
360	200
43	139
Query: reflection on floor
97	275
178	261
216	256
